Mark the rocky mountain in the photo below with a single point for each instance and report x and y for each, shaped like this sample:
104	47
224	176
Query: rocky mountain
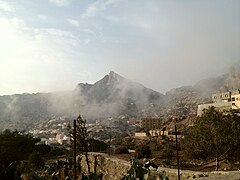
112	96
22	110
115	95
226	82
184	100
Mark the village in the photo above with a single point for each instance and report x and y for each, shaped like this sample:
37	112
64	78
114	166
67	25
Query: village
56	130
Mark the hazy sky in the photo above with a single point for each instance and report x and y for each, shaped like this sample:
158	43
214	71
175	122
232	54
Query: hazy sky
49	45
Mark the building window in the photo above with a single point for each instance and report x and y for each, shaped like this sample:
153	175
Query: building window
233	98
233	104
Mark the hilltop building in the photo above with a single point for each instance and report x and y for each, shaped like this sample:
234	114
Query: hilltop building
235	98
222	102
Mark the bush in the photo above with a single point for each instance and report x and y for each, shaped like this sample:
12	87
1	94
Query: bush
168	153
43	149
213	136
97	146
35	160
121	150
143	151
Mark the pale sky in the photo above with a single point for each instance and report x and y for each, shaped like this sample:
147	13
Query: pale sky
51	45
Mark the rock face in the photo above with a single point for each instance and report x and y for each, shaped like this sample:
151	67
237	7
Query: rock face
226	82
112	168
184	100
114	95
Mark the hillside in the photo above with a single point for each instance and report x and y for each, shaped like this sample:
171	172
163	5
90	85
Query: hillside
115	95
228	81
184	100
112	96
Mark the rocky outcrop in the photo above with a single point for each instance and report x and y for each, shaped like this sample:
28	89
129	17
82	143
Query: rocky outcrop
112	168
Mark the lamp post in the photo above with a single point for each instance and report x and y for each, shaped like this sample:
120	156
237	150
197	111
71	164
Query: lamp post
110	139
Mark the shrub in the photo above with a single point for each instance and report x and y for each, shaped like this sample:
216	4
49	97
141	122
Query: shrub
143	151
121	150
35	160
97	146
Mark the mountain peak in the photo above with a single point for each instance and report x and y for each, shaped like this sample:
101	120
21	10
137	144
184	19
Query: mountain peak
114	77
113	74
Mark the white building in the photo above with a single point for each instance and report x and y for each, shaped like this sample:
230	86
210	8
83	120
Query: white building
223	102
140	134
235	99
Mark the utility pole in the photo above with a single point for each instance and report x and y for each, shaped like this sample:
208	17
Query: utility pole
109	150
75	149
176	134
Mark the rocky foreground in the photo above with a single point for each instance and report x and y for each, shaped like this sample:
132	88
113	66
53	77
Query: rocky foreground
114	168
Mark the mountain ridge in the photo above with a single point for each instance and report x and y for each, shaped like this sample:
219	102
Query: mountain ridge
112	96
114	89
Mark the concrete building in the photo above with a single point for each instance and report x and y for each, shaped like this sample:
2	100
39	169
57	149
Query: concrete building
221	97
151	123
235	99
170	134
155	132
140	134
223	102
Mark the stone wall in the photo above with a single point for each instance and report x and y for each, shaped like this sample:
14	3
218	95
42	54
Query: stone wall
113	169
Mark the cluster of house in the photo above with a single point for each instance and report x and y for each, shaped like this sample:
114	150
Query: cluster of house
61	139
223	102
55	132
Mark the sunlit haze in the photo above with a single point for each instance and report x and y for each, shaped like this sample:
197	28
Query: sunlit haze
51	45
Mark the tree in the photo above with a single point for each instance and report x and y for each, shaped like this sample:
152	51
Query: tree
212	136
121	150
233	154
83	143
35	160
14	147
143	151
82	139
97	145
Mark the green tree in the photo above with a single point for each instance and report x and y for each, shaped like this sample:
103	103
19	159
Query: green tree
14	146
233	154
212	136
